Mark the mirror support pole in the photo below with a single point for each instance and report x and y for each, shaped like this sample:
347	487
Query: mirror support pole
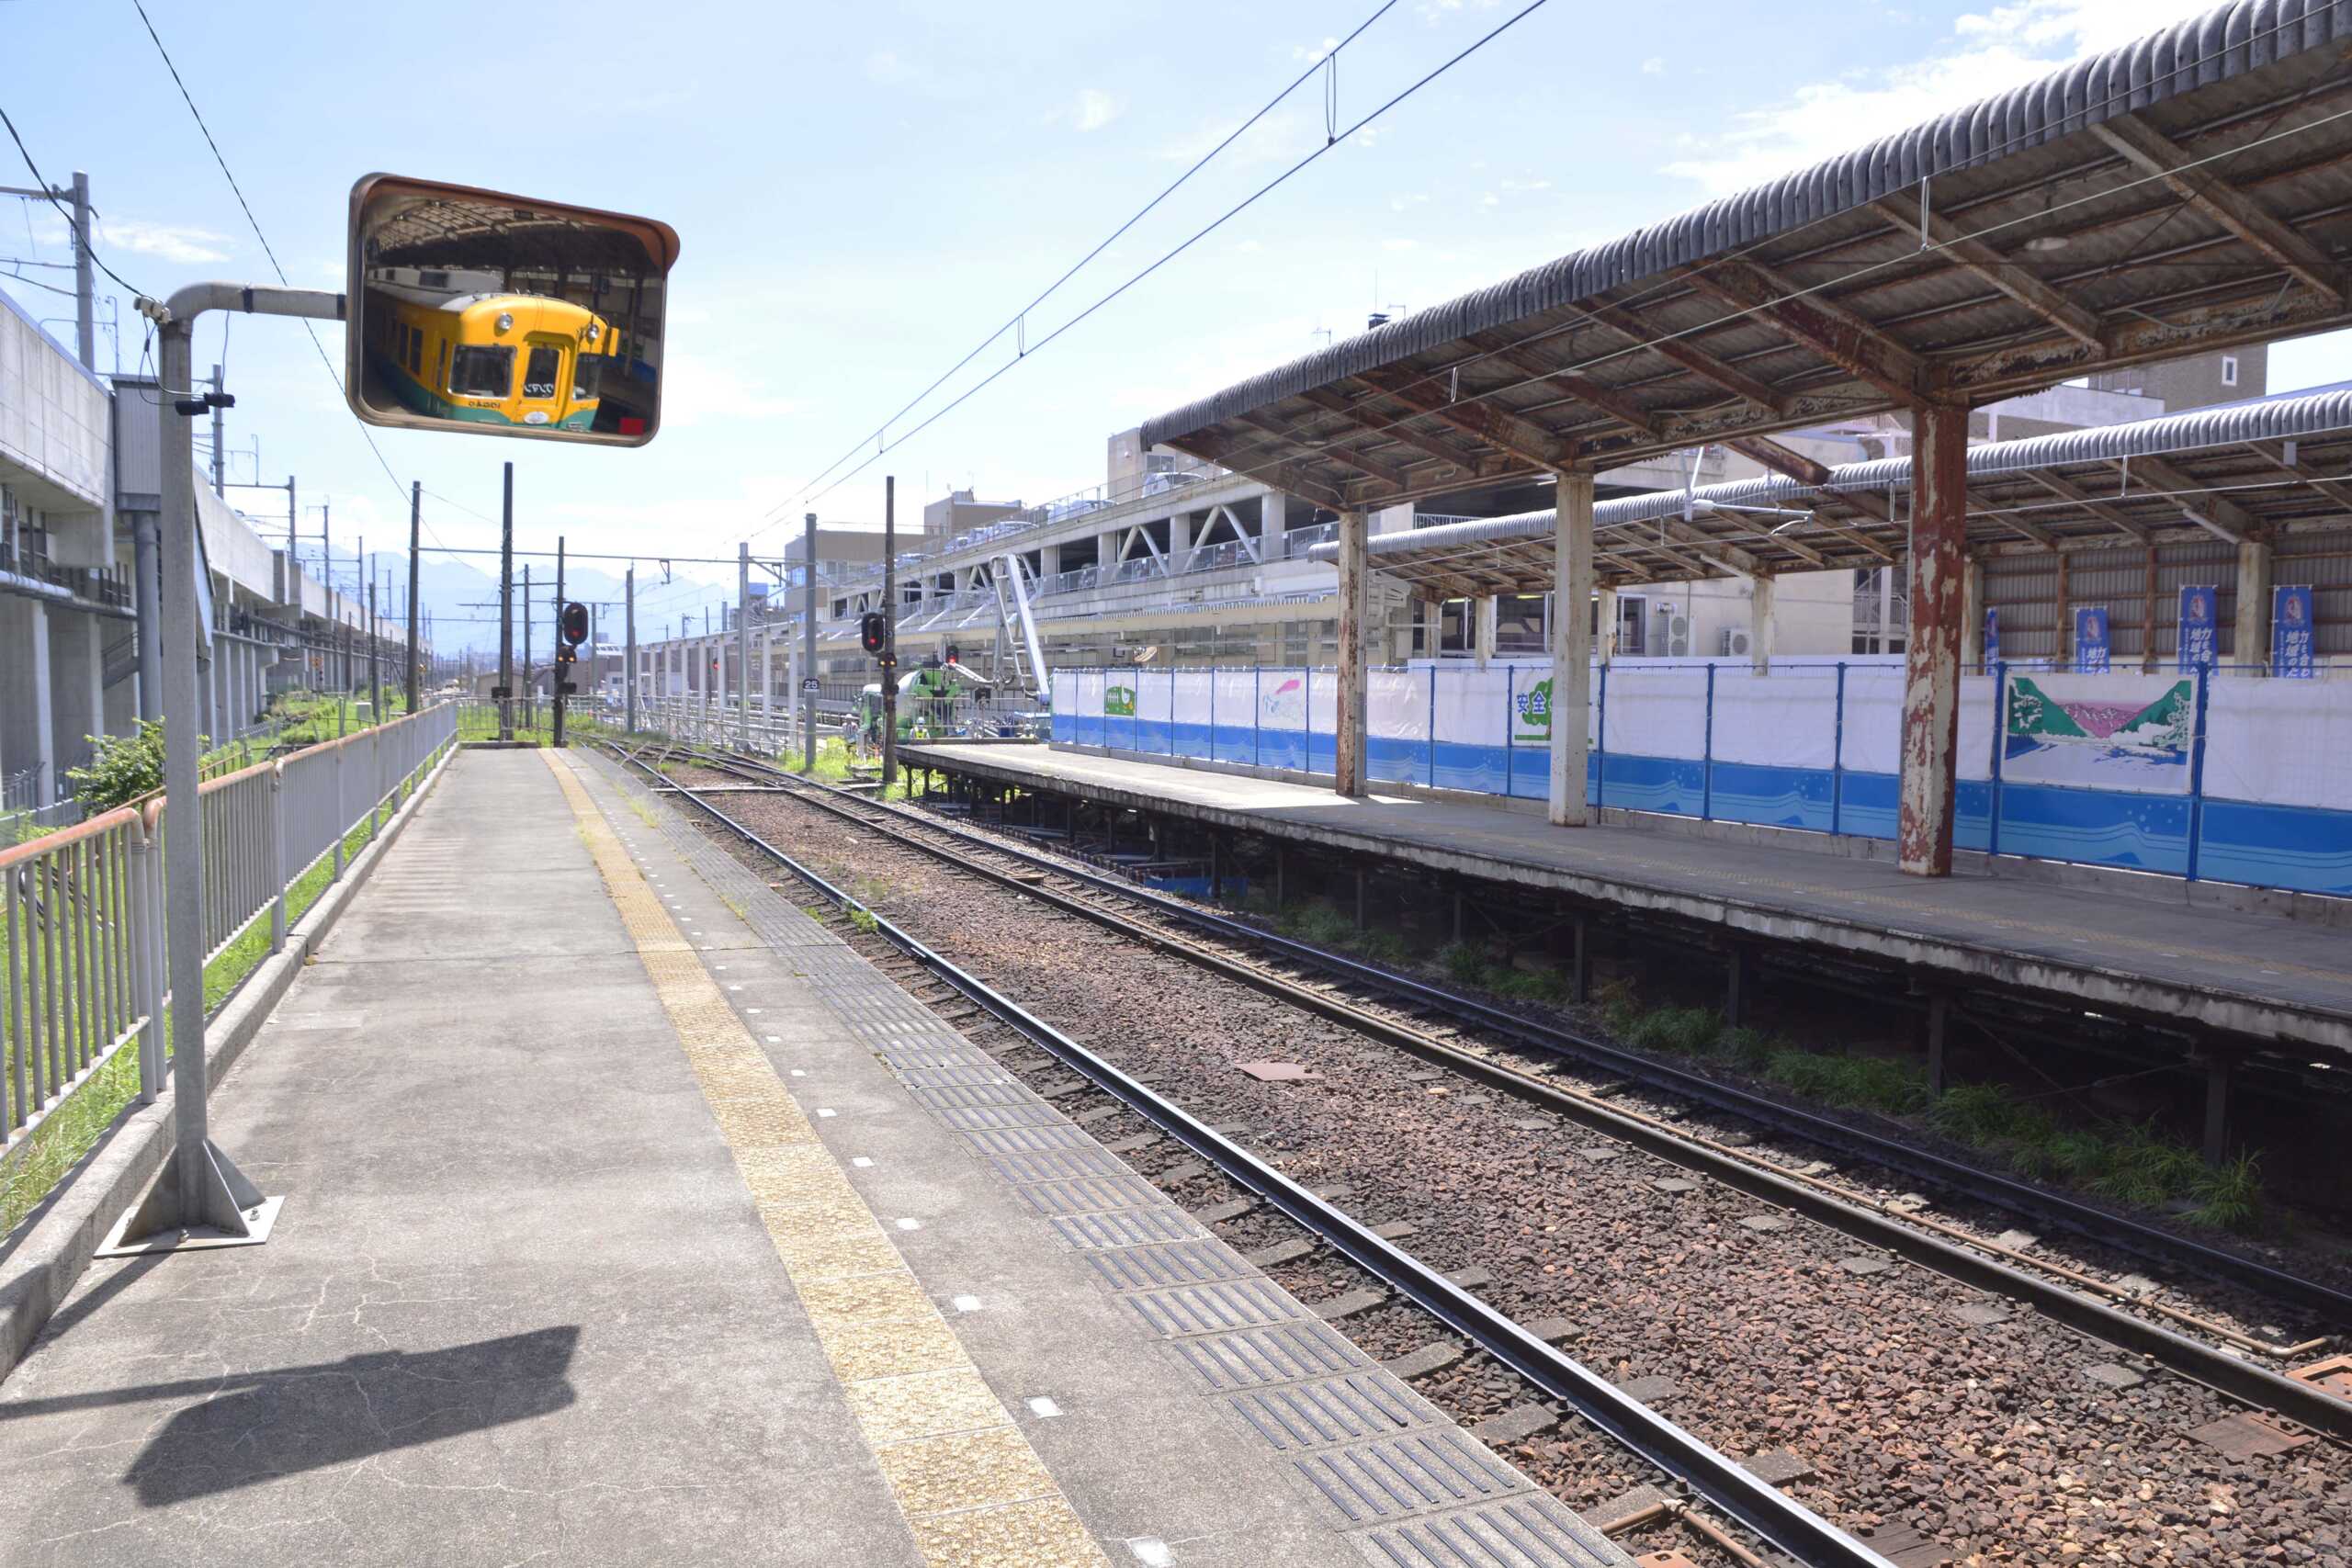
200	1199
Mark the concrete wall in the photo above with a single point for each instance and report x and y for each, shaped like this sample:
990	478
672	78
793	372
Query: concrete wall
55	427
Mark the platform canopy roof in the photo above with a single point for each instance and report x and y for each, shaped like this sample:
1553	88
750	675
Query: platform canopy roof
2192	190
2248	470
443	231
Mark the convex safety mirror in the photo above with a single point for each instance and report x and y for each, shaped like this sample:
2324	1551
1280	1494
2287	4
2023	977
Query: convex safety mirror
470	309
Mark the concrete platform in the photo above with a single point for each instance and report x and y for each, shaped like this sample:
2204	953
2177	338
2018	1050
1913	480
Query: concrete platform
2262	975
632	1218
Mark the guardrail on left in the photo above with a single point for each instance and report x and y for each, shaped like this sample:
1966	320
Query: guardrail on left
81	911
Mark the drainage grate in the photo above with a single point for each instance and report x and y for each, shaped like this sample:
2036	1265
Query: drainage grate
1207	1309
1257	1357
1316	1414
1533	1531
1394	1477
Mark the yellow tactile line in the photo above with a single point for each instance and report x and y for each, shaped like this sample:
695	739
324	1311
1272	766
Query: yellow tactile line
971	1488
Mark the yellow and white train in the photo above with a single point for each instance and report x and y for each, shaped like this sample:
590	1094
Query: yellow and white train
455	344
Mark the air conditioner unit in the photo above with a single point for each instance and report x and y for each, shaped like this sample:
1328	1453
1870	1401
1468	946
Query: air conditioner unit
1736	642
1678	636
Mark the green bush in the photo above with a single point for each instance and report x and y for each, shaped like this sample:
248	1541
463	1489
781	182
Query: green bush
1858	1083
1464	961
2230	1196
124	768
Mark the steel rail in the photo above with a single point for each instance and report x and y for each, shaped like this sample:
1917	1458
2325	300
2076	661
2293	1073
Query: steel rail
1781	1519
2212	1365
2136	1236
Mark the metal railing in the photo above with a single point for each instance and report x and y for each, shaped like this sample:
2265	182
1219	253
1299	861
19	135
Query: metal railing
81	911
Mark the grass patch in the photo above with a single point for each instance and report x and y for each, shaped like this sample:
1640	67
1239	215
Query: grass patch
75	1127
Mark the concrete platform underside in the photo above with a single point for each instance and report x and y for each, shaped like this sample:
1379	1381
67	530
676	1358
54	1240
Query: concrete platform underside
632	1218
2263	978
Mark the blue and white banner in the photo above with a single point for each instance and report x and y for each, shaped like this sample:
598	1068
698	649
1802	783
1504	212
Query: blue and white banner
2200	623
2090	640
2290	632
1993	635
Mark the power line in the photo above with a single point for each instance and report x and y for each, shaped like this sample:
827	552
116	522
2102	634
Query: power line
254	223
46	190
1336	138
1328	62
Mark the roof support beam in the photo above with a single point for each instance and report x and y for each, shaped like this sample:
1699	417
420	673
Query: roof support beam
1387	473
2278	455
1497	427
1808	471
1585	390
2003	273
1443	451
1854	536
2112	515
2217	515
2147	149
1698	361
1819	323
1293	478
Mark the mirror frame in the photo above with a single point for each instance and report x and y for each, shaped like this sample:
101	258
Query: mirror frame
661	243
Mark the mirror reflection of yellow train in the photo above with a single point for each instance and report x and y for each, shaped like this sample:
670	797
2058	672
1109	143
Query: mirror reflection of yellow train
455	345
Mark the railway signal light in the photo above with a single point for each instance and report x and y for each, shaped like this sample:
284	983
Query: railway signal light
575	623
873	632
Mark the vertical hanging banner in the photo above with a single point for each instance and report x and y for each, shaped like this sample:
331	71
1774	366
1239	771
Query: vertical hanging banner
1992	637
2090	640
2199	616
2290	632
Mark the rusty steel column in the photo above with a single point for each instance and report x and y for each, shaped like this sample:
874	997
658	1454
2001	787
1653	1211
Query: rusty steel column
1931	651
1355	597
1571	646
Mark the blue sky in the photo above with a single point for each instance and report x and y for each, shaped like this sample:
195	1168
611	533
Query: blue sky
866	191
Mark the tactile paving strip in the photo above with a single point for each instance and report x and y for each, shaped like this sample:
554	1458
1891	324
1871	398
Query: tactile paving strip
1417	1490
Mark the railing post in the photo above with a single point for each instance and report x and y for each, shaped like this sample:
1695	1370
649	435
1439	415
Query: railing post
1837	754
278	856
2000	745
1601	769
1432	734
341	827
1707	755
2197	773
147	900
375	789
1510	714
1257	714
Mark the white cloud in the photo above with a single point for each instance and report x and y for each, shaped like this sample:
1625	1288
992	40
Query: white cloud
1987	53
171	241
1654	66
1301	52
697	389
1436	11
1096	108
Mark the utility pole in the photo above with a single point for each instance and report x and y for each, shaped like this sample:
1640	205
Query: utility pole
561	669
629	666
415	505
506	612
375	665
343	621
808	635
890	632
744	644
530	687
86	325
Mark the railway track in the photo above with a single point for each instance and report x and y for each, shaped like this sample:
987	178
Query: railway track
1777	1519
1441	1028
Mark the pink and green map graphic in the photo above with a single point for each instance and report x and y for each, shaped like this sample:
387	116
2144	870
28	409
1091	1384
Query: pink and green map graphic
2097	729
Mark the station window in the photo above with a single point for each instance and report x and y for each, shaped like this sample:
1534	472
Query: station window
415	352
2229	370
539	372
482	372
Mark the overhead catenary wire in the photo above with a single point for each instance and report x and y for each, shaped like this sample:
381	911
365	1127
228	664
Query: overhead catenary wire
49	191
1328	60
254	223
1032	351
